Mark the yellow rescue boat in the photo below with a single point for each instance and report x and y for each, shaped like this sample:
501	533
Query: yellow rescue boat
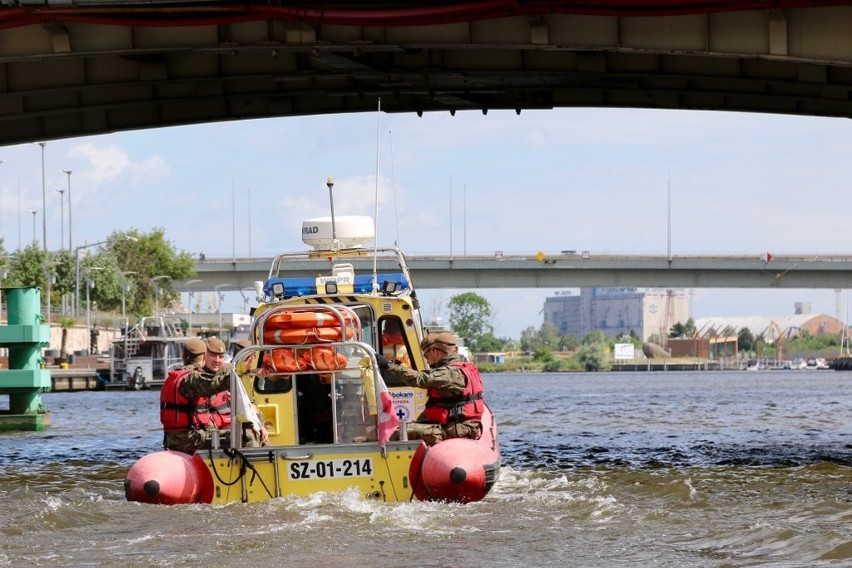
333	422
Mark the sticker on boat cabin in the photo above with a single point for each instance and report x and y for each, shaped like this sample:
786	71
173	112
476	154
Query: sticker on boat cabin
330	469
404	404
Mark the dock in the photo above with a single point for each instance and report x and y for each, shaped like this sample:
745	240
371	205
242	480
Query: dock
65	380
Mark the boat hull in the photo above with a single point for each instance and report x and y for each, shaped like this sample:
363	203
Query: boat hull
455	470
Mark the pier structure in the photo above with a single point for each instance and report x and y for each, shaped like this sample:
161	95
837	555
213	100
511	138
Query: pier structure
26	378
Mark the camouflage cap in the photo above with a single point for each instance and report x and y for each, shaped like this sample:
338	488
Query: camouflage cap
195	346
215	345
243	343
445	341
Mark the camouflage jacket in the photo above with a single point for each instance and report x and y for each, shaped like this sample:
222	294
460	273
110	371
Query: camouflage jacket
447	380
204	383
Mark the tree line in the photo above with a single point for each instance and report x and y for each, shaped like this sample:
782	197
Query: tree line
124	266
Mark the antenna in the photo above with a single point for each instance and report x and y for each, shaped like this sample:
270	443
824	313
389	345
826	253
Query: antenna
376	198
330	183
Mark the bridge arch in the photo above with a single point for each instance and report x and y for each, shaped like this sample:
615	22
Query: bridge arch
82	68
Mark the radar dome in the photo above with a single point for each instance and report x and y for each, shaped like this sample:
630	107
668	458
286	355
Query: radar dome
350	231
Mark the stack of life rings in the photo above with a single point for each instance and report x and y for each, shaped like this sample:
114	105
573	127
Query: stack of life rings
308	327
304	327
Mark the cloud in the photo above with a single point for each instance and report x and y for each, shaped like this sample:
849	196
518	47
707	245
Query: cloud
110	162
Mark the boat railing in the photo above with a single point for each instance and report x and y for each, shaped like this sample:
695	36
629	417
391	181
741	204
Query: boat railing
368	260
352	376
299	325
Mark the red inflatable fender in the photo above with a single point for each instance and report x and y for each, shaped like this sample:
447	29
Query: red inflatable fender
452	470
169	478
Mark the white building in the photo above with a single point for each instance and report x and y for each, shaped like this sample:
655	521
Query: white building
617	311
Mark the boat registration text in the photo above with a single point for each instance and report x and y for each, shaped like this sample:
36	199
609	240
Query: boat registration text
360	467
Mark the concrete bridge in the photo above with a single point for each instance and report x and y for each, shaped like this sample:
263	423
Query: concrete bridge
561	271
81	67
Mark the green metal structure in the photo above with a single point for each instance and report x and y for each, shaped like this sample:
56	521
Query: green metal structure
26	378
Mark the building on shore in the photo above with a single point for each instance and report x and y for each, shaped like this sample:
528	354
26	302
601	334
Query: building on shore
770	328
617	311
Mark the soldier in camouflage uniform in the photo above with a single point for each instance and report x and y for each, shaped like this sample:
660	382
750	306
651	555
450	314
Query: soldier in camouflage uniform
194	351
445	381
214	377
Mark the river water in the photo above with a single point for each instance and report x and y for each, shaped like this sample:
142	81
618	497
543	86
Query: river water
665	469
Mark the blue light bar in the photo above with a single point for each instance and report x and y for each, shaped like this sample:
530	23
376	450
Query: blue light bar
364	284
308	286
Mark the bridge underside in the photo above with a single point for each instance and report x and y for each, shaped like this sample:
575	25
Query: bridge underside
82	69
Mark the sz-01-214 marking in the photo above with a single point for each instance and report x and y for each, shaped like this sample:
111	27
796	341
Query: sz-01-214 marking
330	469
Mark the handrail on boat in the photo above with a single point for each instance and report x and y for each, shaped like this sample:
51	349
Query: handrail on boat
277	267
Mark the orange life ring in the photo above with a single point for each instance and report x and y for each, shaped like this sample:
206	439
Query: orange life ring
301	336
289	320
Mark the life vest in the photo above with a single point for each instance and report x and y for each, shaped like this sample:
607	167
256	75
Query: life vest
179	414
320	358
468	406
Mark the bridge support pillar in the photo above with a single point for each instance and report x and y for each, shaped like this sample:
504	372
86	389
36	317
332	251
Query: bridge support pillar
26	378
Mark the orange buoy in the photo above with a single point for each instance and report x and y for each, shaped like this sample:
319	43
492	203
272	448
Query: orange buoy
169	478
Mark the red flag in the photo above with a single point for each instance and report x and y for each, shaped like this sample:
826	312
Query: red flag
768	256
388	420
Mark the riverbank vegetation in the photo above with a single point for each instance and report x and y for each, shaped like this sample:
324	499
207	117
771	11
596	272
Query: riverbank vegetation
544	349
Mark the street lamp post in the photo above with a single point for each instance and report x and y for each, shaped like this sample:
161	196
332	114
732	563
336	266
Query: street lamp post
157	294
124	276
43	199
48	272
70	223
189	293
61	193
219	297
77	270
89	285
33	211
77	274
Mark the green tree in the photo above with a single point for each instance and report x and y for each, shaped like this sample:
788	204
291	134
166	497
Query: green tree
569	342
28	267
529	339
745	340
145	256
594	353
683	330
489	342
470	316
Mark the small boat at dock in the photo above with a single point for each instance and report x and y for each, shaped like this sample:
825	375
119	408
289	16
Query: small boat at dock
334	421
142	356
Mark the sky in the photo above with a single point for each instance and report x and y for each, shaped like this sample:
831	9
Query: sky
581	179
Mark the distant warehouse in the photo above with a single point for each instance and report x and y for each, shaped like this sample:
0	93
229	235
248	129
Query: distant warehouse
768	327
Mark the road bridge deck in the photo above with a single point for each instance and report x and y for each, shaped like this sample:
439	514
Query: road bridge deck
564	271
